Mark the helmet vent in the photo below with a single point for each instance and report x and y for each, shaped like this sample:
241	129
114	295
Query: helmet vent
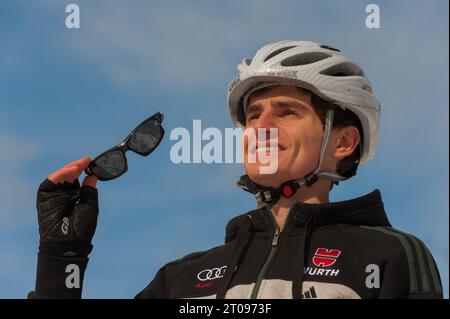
305	58
343	69
324	46
276	52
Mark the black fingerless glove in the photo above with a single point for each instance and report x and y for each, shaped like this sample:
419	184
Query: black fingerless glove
67	216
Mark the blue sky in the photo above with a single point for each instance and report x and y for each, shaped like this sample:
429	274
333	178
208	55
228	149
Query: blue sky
68	93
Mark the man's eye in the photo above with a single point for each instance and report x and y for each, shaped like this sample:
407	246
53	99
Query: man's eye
288	112
252	117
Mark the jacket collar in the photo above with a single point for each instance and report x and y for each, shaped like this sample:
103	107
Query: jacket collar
367	210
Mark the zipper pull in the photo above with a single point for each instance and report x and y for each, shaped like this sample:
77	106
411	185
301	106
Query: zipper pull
276	237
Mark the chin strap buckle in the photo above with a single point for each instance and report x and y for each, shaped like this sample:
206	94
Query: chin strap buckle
289	189
266	196
271	195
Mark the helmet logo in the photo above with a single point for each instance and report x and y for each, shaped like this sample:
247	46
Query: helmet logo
281	73
233	84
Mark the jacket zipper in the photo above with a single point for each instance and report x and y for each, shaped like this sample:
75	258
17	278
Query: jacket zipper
269	259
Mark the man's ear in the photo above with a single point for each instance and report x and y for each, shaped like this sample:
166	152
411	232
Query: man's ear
347	140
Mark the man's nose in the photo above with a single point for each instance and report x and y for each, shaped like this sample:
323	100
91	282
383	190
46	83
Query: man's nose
266	120
264	123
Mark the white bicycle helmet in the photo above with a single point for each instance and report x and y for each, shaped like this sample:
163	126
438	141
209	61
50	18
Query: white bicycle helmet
321	69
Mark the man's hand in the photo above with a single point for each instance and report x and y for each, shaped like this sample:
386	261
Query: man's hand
72	171
67	213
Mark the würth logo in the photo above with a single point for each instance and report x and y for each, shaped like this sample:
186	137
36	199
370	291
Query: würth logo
324	257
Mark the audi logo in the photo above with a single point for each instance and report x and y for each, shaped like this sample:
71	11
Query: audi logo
211	274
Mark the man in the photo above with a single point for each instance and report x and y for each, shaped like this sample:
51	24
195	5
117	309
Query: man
296	244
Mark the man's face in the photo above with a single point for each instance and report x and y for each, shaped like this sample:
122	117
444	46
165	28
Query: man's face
300	133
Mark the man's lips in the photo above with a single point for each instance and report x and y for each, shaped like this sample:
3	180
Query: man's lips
265	148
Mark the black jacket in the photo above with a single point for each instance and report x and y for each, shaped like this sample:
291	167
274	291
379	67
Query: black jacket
344	249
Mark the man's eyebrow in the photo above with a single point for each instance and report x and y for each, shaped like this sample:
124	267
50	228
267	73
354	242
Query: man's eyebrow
255	107
290	103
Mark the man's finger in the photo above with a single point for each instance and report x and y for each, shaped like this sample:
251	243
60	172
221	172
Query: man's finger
65	174
84	162
69	172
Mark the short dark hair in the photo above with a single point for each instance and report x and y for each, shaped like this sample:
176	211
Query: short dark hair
348	166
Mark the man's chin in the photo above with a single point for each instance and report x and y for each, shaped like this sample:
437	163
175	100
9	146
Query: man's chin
266	180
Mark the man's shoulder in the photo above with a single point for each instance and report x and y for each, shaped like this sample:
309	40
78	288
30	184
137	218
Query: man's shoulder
198	257
388	244
403	250
391	234
392	239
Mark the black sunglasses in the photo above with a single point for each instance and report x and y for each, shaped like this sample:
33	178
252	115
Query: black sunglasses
144	139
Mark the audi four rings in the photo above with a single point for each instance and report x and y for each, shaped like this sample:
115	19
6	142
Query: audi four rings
211	274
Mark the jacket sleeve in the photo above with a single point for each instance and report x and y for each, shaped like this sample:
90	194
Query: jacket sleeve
59	277
162	286
158	287
411	273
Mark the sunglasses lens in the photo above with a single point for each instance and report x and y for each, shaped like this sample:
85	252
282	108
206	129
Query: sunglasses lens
109	165
146	137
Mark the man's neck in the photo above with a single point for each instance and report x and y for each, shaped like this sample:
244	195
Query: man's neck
316	194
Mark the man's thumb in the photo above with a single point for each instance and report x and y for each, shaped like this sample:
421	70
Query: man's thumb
90	181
